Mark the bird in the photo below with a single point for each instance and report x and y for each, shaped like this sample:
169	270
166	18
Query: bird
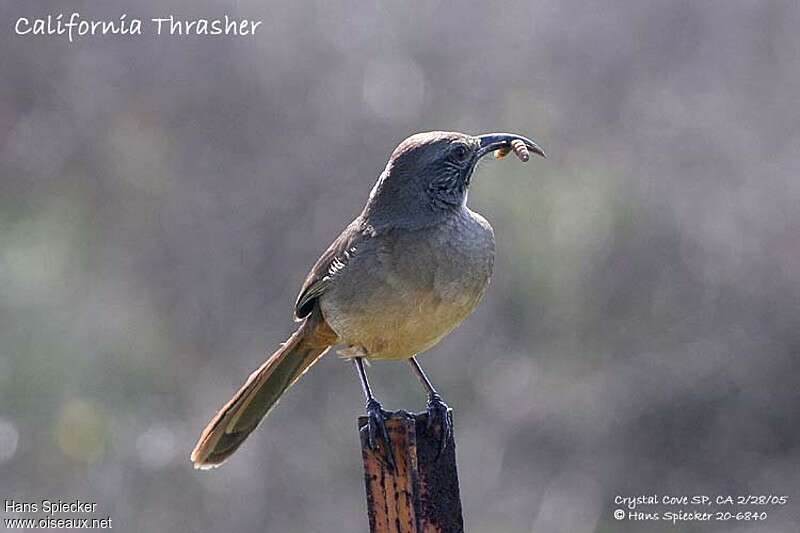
401	276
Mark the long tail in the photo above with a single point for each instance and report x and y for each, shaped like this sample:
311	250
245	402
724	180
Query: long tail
262	390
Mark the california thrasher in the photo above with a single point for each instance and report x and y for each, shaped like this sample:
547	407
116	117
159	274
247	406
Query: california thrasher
401	276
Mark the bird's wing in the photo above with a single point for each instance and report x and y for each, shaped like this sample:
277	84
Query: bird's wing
333	261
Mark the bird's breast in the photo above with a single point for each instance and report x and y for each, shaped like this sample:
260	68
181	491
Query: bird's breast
412	288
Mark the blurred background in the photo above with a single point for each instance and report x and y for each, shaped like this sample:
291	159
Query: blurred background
162	198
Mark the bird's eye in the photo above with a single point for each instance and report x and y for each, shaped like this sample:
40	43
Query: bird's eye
459	153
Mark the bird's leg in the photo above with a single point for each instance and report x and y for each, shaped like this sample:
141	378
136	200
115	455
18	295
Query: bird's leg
376	416
438	411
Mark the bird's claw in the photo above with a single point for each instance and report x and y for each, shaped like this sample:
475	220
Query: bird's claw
439	413
376	430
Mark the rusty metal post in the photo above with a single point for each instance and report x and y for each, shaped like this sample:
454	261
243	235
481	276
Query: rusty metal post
422	494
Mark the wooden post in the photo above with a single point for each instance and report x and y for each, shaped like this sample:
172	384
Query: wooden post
421	495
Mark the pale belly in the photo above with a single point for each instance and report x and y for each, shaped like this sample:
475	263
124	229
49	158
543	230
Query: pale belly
408	292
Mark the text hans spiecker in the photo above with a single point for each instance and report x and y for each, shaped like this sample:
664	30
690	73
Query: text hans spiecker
75	26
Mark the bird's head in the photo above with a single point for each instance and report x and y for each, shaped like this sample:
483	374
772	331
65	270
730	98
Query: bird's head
429	173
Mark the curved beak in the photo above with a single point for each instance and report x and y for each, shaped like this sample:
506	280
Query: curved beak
495	141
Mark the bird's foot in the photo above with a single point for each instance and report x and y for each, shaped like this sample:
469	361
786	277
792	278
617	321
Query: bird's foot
439	414
376	430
